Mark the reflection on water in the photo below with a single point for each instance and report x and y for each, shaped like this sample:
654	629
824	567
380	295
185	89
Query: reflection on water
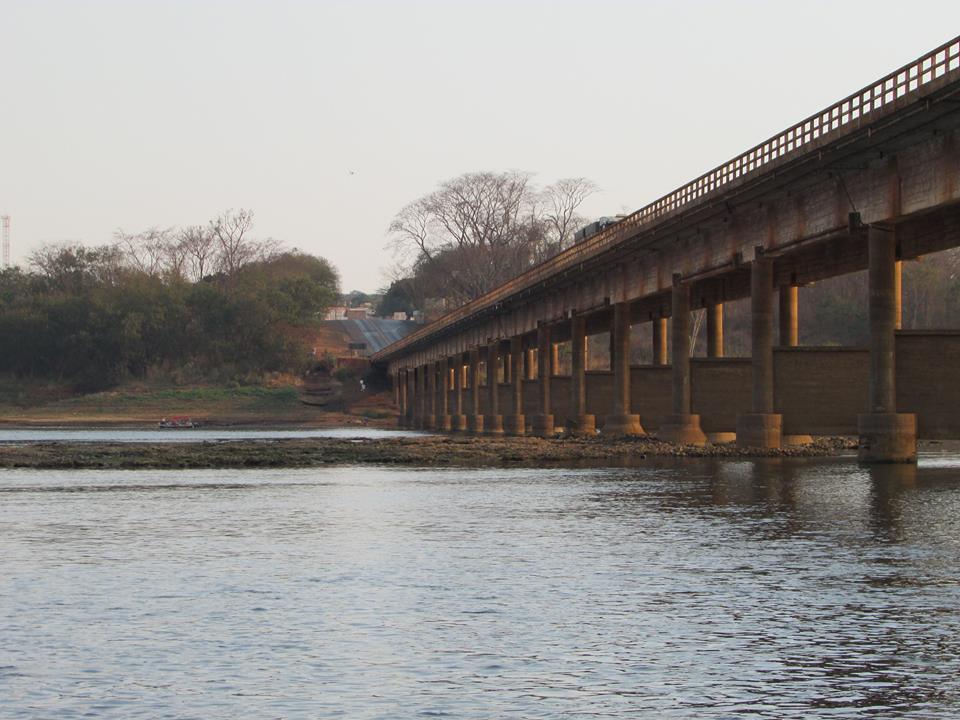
772	588
119	435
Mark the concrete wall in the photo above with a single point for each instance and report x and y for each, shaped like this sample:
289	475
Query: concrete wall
599	394
928	380
651	396
721	389
820	390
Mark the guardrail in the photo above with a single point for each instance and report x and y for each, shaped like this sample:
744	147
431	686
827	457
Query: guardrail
844	115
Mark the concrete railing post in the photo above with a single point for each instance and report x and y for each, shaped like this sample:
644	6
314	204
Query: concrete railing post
493	422
761	428
515	424
885	434
682	427
620	421
543	422
579	422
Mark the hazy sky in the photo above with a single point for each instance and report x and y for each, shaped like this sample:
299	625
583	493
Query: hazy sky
136	114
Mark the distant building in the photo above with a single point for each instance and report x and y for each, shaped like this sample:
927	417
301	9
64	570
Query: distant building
359	313
337	312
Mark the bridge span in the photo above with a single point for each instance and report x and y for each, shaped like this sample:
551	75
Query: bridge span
869	182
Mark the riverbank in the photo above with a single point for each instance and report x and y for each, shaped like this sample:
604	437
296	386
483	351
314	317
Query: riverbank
143	406
421	451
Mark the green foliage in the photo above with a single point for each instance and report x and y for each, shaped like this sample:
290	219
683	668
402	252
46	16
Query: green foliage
84	318
397	298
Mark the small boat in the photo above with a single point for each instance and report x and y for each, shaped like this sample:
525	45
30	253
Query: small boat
178	422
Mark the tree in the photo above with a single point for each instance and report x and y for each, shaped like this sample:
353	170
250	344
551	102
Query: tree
478	230
235	247
199	247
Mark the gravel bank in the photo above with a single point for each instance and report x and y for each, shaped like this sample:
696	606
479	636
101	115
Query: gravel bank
435	451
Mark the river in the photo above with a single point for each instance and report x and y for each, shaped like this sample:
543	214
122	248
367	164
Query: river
678	589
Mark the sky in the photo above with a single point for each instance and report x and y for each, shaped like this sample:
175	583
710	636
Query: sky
326	118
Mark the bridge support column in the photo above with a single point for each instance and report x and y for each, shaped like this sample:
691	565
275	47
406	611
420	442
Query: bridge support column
659	341
579	422
420	393
682	427
789	322
621	422
430	418
444	423
715	330
474	418
530	364
885	434
493	422
411	403
402	398
761	428
459	419
516	424
543	422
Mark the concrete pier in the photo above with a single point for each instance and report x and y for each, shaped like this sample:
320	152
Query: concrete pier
543	421
762	428
885	434
789	322
659	341
493	420
444	421
681	427
621	421
715	330
516	423
459	420
579	422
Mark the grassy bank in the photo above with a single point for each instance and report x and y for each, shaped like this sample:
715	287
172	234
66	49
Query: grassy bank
145	405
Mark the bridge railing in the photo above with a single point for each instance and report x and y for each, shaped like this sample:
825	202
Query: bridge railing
844	116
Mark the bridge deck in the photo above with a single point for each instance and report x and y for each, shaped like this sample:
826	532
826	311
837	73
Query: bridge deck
854	119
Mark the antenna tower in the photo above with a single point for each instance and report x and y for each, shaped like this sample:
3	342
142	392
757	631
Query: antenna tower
5	220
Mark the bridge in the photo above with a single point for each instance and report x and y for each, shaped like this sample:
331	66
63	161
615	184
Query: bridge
868	183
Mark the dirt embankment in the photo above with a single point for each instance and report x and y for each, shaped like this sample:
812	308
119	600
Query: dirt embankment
424	451
145	406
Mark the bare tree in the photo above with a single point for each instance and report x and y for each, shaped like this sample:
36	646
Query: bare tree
148	251
234	246
199	247
561	200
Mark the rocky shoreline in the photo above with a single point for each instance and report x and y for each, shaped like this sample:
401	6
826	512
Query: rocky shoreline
425	451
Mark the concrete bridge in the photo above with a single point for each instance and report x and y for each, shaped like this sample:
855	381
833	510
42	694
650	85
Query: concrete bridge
869	182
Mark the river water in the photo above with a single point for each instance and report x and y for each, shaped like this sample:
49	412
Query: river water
679	589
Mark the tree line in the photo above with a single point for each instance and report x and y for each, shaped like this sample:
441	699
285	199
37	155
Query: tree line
202	302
